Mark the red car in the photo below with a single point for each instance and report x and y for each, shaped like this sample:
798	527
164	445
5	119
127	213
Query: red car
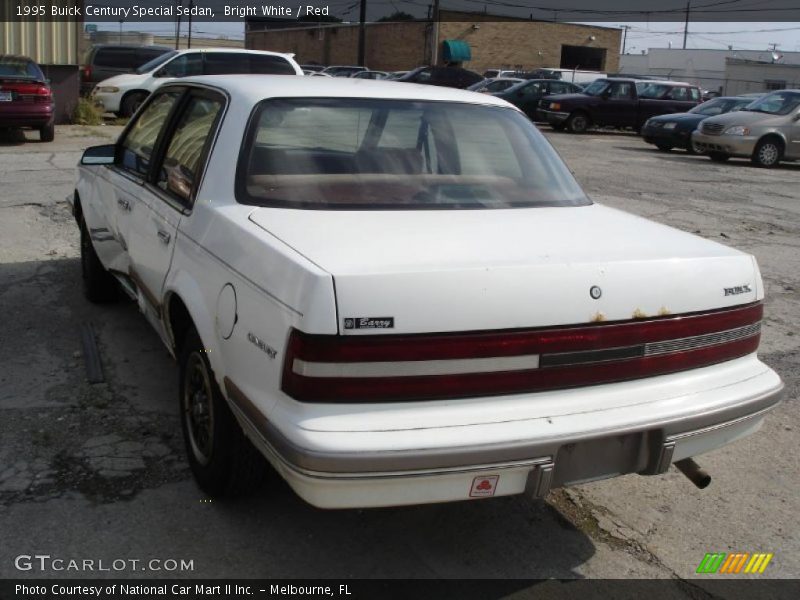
26	99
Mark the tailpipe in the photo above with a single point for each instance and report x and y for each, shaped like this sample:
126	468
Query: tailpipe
694	472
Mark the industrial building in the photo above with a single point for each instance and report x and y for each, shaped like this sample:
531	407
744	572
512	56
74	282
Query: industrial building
490	42
57	46
708	68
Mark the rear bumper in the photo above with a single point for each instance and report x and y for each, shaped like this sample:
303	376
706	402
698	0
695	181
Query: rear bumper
345	469
733	145
29	116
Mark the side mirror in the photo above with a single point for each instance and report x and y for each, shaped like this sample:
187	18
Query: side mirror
99	155
797	117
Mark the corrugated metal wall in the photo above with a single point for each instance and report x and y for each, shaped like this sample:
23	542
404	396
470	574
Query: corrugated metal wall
48	43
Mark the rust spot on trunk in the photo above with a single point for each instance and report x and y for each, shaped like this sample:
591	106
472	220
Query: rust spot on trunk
598	317
639	314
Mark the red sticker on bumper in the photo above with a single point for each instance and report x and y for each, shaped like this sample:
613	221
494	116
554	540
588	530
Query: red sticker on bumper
484	486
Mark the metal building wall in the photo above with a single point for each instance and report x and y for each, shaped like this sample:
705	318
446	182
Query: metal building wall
46	42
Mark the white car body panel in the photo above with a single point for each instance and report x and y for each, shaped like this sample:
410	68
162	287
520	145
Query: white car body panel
433	271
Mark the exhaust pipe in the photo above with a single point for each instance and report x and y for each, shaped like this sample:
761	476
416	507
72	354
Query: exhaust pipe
694	472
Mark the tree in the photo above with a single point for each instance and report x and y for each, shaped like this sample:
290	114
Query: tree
397	15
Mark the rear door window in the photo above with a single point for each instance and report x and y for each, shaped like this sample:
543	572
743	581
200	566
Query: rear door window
232	63
188	145
139	143
118	58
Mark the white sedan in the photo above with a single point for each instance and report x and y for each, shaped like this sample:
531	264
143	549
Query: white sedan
399	294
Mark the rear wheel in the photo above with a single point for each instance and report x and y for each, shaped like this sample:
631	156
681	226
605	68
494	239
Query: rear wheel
768	153
47	133
578	122
719	157
131	103
223	461
99	286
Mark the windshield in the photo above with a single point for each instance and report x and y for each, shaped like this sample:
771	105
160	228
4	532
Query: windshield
398	154
156	62
718	106
596	88
777	103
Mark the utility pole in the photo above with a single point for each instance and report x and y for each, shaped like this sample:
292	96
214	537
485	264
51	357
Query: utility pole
120	30
189	41
686	25
435	34
178	27
625	37
362	34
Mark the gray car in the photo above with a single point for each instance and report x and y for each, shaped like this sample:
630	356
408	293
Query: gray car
766	131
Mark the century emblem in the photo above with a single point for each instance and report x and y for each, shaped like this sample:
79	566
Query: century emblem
595	292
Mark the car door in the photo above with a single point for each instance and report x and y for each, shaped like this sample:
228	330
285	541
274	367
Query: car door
528	97
118	188
169	192
618	106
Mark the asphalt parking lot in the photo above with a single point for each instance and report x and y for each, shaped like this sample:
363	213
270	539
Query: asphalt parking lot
97	471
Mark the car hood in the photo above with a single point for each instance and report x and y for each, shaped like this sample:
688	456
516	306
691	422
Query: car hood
459	270
747	117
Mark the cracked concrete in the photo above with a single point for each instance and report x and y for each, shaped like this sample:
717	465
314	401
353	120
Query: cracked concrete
108	458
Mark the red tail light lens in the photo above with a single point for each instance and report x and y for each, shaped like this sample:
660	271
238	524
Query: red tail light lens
28	92
86	73
320	368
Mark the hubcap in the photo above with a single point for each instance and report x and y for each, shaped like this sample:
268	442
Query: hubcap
768	154
579	123
198	409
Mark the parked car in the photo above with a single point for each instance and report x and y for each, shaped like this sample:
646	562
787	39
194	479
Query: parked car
618	102
454	77
312	67
491	86
497	73
570	75
394	75
528	94
766	131
26	100
369	75
342	71
123	94
491	330
675	130
103	61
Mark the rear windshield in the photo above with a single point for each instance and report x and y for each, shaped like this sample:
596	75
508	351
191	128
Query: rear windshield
322	153
21	68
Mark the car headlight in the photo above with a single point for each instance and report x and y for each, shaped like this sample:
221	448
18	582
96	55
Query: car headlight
108	89
737	130
670	125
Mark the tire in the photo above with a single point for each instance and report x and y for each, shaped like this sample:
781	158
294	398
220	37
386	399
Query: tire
578	122
664	147
768	153
223	461
99	286
718	157
47	133
131	103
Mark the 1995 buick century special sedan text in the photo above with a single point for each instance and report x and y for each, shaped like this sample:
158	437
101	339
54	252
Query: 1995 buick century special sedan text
399	294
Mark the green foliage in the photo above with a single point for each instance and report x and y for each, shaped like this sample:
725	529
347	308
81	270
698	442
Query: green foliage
87	113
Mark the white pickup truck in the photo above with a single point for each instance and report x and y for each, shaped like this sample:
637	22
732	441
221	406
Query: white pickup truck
399	294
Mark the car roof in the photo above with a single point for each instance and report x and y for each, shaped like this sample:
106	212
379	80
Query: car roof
254	88
130	46
235	51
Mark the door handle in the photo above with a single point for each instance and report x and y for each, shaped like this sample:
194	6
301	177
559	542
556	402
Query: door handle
163	236
124	204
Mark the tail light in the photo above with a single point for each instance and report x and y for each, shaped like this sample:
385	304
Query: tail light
29	92
86	73
372	368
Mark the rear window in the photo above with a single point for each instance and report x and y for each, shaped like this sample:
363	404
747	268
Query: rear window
321	153
233	63
19	67
119	58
